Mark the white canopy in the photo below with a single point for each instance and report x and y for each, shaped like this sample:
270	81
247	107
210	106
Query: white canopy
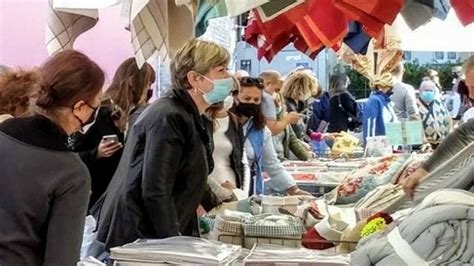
437	35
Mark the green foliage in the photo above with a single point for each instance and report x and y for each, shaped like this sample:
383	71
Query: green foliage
414	74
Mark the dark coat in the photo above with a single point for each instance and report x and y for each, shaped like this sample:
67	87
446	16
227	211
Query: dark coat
101	170
341	107
44	188
162	175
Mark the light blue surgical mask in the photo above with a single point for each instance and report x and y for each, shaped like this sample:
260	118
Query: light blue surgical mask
427	96
220	90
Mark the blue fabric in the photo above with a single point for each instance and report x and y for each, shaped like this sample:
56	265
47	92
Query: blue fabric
256	140
373	114
320	112
357	39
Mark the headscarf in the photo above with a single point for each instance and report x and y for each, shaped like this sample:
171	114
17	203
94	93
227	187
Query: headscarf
382	81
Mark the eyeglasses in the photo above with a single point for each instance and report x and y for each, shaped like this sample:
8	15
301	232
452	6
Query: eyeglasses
248	82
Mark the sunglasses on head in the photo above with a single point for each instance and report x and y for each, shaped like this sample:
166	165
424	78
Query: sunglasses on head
248	82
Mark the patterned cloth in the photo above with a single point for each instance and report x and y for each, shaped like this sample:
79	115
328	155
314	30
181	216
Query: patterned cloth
149	22
269	225
436	121
65	25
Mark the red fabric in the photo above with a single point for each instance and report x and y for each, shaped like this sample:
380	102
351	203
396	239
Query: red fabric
323	23
387	218
313	240
465	10
373	14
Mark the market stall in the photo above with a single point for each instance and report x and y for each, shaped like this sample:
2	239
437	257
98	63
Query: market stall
357	194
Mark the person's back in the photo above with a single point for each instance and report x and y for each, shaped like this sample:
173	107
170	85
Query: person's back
341	108
44	187
43	184
404	102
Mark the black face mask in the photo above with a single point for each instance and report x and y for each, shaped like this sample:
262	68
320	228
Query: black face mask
248	109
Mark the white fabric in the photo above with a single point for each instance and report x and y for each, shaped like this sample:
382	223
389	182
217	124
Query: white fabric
468	115
84	4
222	150
404	250
446	197
237	7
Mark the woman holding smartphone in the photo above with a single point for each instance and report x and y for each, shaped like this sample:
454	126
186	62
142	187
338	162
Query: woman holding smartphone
101	146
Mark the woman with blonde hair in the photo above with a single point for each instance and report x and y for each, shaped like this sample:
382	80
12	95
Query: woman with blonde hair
161	178
297	89
17	88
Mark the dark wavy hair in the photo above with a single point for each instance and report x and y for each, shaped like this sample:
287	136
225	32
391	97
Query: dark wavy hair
248	82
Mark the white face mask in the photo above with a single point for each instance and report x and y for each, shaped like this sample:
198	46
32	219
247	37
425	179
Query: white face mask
228	102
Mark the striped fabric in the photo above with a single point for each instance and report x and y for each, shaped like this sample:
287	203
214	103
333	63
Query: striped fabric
63	27
457	172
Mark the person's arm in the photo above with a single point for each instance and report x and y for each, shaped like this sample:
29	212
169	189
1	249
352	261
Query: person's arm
281	180
65	226
454	143
277	126
246	177
297	148
411	105
163	149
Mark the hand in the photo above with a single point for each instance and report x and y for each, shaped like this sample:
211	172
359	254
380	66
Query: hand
228	185
293	118
295	190
107	149
412	181
306	145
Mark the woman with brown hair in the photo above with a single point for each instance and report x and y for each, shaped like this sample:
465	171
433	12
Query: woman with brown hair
17	87
101	148
44	186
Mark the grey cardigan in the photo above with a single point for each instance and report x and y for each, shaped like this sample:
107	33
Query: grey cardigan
43	201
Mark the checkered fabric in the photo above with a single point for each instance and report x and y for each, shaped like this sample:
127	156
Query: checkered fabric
149	21
63	28
268	225
233	227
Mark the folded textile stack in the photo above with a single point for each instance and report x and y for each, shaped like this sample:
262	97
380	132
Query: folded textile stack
440	231
175	250
278	229
267	255
228	227
345	145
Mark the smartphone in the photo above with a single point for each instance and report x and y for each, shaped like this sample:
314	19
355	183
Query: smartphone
110	138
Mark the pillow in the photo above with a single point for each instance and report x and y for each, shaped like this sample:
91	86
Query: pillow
413	165
362	181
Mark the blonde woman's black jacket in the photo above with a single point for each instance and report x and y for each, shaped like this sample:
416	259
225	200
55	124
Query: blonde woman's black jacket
162	175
